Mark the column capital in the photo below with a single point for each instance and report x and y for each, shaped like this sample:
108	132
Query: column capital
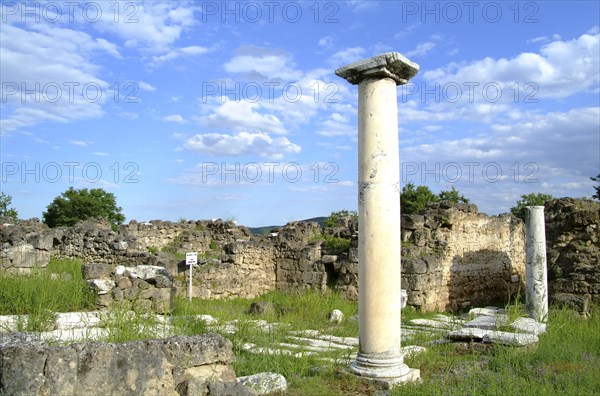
392	65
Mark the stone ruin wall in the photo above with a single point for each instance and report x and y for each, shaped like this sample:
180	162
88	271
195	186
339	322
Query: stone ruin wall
573	245
452	257
455	258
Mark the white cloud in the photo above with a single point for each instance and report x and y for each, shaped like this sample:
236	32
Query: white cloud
80	143
242	115
244	143
542	152
326	41
421	49
362	5
174	118
560	69
347	56
264	62
101	154
337	125
555	140
177	53
55	64
144	86
147	26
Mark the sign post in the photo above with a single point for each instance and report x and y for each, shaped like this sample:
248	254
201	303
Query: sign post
191	259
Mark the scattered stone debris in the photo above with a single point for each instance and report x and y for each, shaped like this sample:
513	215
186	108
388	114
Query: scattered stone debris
336	316
264	383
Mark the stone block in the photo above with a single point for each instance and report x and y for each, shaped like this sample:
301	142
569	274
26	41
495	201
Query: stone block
264	383
136	367
96	271
101	286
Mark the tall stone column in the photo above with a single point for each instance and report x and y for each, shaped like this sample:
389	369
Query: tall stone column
536	275
379	299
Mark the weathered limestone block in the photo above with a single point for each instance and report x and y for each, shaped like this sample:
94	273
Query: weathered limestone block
264	383
96	271
137	367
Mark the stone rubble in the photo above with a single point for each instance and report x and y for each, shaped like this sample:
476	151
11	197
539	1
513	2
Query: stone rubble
264	383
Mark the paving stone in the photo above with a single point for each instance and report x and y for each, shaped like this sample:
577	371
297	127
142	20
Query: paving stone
350	341
423	329
488	311
72	320
75	334
500	337
508	338
436	324
454	320
253	348
488	322
264	383
10	323
305	347
320	343
528	325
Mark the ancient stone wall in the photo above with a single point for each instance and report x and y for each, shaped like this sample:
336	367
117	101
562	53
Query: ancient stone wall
245	269
144	287
455	258
573	252
452	256
172	366
187	236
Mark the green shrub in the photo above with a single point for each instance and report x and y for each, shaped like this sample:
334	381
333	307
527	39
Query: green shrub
334	217
337	243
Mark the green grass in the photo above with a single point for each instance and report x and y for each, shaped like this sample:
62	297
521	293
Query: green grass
565	361
125	323
300	310
39	295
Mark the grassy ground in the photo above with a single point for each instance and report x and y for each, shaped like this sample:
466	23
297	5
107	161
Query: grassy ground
57	288
566	361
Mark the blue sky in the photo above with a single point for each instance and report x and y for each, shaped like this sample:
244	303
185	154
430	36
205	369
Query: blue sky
203	110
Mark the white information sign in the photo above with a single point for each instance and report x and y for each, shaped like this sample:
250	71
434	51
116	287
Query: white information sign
191	259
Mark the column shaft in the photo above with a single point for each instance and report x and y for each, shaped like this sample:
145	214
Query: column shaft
536	296
379	219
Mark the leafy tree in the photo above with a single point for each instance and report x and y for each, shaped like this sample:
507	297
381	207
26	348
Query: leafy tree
334	217
453	196
414	199
5	201
533	199
76	205
597	188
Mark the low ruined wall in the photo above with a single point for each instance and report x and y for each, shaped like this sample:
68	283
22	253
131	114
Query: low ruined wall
144	287
24	247
452	256
149	367
188	236
245	269
573	251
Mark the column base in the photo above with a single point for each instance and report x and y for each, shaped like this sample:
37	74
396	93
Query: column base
386	372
